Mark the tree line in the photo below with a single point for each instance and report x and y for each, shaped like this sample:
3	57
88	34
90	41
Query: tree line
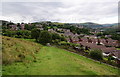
41	36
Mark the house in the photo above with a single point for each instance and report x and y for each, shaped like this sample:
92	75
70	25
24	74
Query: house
80	26
50	30
66	30
116	55
39	25
75	39
13	27
40	28
84	39
93	36
113	43
108	50
68	34
108	36
22	26
94	40
59	29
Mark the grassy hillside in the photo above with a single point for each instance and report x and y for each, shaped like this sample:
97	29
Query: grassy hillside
50	61
16	50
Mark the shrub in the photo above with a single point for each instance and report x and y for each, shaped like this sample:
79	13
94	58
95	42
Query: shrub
18	34
110	58
64	43
96	54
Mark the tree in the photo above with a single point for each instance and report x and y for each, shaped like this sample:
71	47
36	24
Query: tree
35	33
45	27
96	54
45	37
30	27
116	36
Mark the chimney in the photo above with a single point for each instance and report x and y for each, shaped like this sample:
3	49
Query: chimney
79	38
71	40
98	41
89	40
106	40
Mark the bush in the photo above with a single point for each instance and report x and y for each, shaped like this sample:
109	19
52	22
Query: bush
18	34
23	34
56	41
96	54
64	43
110	58
9	33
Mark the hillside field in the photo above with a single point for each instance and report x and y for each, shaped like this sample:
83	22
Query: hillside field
43	60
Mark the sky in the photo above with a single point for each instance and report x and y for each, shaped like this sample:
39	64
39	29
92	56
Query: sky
66	11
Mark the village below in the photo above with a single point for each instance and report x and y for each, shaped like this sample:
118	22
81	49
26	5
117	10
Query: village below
92	42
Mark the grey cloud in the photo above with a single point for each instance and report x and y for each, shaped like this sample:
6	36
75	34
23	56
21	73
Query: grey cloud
61	11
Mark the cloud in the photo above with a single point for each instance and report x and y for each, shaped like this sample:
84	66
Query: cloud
62	11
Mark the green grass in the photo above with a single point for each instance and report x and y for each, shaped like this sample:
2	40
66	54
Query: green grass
32	40
118	48
55	61
17	50
55	27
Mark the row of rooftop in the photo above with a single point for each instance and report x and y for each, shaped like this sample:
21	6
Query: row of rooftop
107	46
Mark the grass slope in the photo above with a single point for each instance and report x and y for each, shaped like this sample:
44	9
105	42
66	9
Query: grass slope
55	61
16	50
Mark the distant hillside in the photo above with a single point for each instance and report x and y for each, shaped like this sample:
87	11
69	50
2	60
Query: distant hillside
91	25
107	25
86	24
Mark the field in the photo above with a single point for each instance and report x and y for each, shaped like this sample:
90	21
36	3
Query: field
51	61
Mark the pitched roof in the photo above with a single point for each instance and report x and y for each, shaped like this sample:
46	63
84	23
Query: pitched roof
117	54
108	49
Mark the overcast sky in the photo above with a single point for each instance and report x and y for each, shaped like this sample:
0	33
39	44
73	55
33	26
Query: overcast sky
74	11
